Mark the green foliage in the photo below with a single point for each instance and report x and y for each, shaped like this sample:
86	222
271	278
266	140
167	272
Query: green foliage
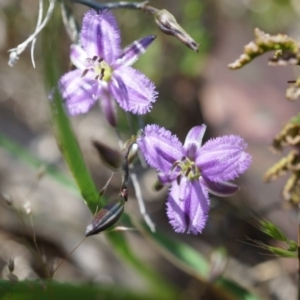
287	248
41	290
272	230
236	290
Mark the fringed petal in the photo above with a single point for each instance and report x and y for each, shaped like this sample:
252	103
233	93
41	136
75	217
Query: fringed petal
78	92
223	158
140	90
160	148
100	35
188	215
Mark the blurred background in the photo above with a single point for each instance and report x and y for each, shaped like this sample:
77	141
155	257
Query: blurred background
194	88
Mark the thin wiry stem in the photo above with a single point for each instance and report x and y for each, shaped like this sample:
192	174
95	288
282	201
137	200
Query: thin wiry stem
69	21
38	253
137	190
112	5
39	21
141	202
68	255
15	52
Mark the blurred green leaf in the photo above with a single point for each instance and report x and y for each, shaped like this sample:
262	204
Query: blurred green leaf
192	262
21	153
179	253
272	230
28	290
282	252
236	290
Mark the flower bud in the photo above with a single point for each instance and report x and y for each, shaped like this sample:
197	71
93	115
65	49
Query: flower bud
111	157
168	25
11	265
157	186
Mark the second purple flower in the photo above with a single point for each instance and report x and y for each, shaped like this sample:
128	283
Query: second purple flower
104	70
193	170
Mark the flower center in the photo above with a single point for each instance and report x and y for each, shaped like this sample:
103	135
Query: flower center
102	70
187	168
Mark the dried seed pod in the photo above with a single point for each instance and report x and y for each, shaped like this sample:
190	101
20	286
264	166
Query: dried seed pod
106	217
111	212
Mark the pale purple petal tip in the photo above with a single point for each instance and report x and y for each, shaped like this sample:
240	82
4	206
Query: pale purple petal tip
223	158
141	91
159	147
78	93
100	35
78	56
221	189
132	52
188	215
193	140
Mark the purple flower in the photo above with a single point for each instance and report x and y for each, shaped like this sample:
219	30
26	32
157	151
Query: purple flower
193	171
104	70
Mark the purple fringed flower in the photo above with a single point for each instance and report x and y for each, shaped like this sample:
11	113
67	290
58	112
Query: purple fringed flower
193	171
104	70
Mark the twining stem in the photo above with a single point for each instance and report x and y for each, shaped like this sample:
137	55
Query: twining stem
112	5
15	52
38	24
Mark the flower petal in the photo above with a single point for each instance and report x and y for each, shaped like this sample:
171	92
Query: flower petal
141	91
222	188
223	158
119	91
78	93
159	147
100	35
78	56
108	107
190	214
193	140
132	52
